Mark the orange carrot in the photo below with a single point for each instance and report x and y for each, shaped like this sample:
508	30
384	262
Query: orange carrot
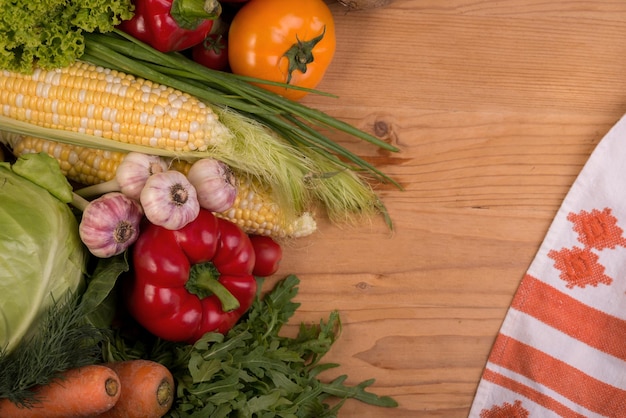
147	390
80	392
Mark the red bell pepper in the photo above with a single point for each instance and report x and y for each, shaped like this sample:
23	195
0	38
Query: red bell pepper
172	25
191	281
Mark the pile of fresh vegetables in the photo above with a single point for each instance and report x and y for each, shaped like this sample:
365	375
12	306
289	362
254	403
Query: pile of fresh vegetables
134	290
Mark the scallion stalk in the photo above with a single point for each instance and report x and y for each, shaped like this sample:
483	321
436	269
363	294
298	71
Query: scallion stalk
292	120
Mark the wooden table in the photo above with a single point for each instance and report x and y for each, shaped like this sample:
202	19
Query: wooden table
496	106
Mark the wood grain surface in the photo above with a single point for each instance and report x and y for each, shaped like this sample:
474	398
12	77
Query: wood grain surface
496	106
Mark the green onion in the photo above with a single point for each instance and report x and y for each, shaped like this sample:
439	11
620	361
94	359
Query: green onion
294	121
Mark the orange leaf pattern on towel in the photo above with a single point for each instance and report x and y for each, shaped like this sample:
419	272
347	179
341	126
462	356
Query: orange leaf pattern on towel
597	229
506	411
579	267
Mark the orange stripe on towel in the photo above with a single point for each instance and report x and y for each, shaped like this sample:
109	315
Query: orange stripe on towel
566	314
578	387
530	393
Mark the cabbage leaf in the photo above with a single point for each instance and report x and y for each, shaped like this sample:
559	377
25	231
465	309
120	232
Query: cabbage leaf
41	255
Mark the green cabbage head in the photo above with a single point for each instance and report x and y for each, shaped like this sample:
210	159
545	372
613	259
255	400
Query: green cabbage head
42	258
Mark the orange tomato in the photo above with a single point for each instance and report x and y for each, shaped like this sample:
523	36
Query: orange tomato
285	41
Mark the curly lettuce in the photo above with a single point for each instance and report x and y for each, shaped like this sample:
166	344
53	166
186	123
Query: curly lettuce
42	258
50	33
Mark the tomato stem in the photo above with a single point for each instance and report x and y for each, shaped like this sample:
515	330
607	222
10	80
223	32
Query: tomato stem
301	54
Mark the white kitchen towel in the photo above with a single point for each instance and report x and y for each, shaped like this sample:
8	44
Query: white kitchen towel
561	350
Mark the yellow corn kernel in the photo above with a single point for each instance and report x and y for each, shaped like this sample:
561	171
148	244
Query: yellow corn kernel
110	104
254	209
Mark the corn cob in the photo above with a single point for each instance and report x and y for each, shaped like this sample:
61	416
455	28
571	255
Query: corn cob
80	164
254	209
110	104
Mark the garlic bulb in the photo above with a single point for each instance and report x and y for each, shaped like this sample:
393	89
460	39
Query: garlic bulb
110	224
215	184
134	171
169	200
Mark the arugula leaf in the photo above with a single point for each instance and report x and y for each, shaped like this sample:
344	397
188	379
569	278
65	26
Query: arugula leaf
339	389
275	309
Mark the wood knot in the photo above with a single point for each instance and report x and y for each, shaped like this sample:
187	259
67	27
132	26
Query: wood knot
381	129
363	286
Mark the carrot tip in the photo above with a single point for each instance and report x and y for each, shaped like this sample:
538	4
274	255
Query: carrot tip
112	386
164	392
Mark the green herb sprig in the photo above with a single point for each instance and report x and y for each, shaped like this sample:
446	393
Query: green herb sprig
61	341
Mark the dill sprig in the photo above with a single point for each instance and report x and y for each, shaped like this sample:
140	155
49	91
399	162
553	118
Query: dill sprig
62	340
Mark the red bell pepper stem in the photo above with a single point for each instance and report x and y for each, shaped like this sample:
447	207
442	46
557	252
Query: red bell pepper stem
188	13
203	281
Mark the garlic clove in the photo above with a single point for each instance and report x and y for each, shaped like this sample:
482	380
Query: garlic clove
134	171
215	184
169	200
